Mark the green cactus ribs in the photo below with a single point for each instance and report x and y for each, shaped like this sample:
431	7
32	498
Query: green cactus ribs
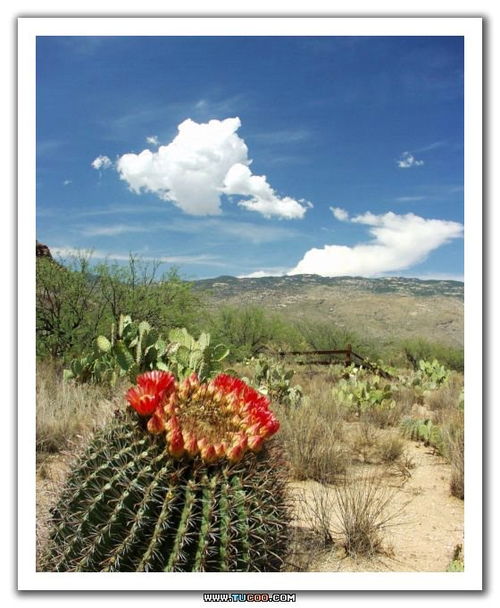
130	506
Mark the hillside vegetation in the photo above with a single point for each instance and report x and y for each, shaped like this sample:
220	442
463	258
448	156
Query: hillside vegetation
387	308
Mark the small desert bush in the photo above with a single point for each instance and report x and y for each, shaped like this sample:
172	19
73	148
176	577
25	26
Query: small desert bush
391	448
66	411
416	349
365	511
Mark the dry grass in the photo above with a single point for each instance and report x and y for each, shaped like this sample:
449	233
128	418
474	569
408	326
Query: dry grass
453	441
391	448
67	412
311	446
363	441
365	512
314	434
447	396
317	510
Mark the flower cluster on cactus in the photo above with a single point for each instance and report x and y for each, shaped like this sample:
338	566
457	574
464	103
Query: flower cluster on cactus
223	418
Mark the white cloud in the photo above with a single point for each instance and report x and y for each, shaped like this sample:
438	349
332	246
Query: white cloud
202	259
340	214
407	160
101	162
113	230
263	199
153	139
409	199
204	161
400	241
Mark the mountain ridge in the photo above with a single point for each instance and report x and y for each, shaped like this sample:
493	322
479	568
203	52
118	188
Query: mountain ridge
386	308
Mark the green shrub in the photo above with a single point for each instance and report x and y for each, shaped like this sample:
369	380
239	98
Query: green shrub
325	335
250	331
75	301
68	307
418	349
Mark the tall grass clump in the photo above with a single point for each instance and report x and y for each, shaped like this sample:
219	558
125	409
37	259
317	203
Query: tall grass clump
365	512
313	434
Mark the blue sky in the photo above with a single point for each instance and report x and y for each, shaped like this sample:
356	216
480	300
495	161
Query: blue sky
255	155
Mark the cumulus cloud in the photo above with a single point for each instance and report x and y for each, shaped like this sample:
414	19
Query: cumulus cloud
101	162
399	242
204	161
263	199
339	214
407	161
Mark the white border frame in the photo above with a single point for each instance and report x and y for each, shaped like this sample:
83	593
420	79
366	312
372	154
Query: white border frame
471	30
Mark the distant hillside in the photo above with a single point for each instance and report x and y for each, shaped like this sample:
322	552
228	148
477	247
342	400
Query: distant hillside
381	308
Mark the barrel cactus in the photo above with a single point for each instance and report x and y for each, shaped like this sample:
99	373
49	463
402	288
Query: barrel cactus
189	478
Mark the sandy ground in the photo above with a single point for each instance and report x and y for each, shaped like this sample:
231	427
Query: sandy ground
426	533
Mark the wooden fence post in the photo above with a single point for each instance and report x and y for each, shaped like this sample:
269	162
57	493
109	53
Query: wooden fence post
348	355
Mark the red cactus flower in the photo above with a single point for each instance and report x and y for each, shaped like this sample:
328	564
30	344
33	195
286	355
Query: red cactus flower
142	400
157	381
224	418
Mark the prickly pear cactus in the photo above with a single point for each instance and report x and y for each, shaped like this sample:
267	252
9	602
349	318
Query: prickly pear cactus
190	481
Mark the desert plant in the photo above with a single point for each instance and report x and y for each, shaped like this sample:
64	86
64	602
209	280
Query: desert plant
362	395
418	429
251	331
365	511
433	373
135	347
187	482
68	309
271	378
391	448
453	450
309	440
418	349
317	510
186	355
363	441
67	411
